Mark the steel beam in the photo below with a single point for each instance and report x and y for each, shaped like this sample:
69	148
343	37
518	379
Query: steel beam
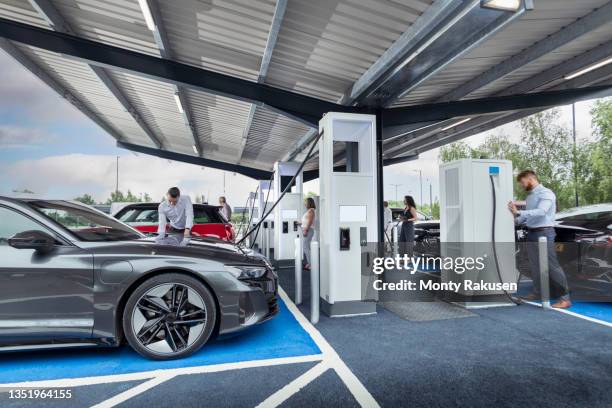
408	61
601	76
41	74
305	108
590	22
449	110
199	161
314	173
53	17
454	38
548	77
392	132
404	48
163	45
423	29
277	20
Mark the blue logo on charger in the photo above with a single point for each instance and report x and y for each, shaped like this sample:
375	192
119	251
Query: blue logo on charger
493	170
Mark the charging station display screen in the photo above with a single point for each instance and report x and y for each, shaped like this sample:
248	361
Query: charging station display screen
289	214
353	213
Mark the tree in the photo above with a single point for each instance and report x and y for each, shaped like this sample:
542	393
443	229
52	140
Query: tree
546	148
86	199
598	184
455	151
23	191
434	211
119	197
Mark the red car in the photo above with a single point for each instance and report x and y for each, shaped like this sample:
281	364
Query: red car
207	220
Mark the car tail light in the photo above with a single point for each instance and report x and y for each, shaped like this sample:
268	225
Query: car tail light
229	232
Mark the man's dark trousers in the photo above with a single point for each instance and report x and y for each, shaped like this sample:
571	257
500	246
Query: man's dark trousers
558	288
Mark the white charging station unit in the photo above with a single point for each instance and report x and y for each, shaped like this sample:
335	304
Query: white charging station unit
288	213
348	210
264	187
466	222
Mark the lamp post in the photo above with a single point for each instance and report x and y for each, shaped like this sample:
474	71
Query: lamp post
574	155
117	177
396	186
421	183
430	199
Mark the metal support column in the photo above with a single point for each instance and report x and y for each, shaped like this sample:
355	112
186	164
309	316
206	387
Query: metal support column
314	282
379	176
298	269
544	274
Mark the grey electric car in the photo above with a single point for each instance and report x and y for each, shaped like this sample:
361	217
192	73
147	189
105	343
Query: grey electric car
71	276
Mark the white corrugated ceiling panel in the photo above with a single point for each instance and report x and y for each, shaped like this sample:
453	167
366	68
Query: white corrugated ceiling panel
225	36
220	123
81	81
548	17
270	137
115	22
326	45
20	10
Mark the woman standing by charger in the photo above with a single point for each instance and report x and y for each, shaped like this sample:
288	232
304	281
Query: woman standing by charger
408	217
308	223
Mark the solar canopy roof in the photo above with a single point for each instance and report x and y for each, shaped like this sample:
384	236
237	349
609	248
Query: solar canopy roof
366	54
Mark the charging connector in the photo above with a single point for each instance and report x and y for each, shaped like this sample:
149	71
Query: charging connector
493	242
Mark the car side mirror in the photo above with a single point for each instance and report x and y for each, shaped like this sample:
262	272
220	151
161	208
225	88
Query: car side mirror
34	239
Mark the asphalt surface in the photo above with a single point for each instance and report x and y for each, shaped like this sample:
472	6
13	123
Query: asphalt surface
503	357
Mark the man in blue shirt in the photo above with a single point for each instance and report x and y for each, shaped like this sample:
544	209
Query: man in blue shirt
539	217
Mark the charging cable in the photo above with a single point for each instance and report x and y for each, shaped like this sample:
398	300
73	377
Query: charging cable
263	210
494	243
285	190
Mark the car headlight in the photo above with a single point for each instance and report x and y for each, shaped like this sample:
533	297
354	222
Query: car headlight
246	272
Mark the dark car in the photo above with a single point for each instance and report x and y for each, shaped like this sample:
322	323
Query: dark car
396	212
596	217
71	275
584	253
207	220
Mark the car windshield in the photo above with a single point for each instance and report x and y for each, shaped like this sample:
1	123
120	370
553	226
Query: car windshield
87	224
145	215
140	215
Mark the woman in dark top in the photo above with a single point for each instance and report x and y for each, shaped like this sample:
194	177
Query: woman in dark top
408	217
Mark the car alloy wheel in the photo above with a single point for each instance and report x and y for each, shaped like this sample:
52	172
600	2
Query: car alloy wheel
169	319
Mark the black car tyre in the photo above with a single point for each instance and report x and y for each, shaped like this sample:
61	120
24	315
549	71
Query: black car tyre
169	316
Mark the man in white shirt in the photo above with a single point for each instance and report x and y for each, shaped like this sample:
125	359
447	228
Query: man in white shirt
388	220
178	210
226	210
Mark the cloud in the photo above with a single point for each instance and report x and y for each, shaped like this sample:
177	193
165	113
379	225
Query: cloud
24	94
20	137
72	175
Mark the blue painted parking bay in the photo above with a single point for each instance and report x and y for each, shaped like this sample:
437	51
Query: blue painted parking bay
281	337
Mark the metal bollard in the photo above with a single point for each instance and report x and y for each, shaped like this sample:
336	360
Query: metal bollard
265	240
314	282
544	273
298	271
395	240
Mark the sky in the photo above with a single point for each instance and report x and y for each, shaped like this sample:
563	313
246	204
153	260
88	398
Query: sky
49	147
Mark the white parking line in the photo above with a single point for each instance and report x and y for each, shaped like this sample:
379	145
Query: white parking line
361	394
146	375
132	392
328	359
569	312
294	386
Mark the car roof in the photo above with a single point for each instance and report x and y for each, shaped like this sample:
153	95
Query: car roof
155	205
586	209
